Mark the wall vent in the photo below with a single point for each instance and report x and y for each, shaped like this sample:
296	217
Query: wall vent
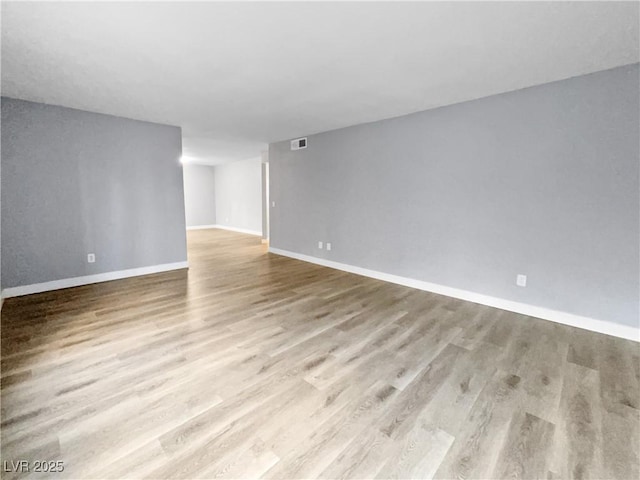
299	143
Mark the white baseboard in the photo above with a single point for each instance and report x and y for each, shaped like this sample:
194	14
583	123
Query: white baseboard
239	230
224	227
89	279
595	325
201	227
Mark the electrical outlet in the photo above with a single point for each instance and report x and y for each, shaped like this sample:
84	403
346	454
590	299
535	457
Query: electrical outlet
273	204
91	258
328	246
521	280
320	245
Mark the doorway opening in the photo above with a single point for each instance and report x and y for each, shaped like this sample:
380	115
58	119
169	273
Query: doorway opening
266	201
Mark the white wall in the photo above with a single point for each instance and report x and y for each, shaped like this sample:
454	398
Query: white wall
238	192
199	195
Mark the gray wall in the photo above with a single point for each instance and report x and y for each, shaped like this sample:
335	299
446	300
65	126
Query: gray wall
239	194
76	182
543	181
199	195
1	297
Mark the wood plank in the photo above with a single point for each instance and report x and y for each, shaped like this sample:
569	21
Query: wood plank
254	365
525	453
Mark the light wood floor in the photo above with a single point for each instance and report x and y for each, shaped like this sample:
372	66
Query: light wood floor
254	365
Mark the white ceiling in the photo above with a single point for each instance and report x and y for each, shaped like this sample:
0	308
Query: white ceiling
237	76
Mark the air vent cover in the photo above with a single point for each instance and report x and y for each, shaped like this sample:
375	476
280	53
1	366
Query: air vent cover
299	143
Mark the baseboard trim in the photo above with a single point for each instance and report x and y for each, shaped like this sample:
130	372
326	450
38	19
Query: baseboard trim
89	279
224	227
586	323
201	227
239	230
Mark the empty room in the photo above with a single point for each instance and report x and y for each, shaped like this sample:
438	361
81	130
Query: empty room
300	240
